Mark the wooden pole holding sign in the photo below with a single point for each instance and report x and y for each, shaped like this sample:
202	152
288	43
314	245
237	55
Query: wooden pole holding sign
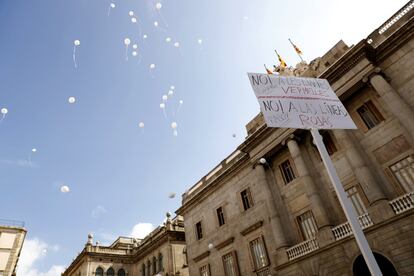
309	103
346	205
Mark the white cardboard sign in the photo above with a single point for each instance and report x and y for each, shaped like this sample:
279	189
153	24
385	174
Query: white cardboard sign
296	102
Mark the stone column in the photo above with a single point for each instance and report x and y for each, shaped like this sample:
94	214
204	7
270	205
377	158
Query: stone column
318	209
275	221
279	256
396	105
363	174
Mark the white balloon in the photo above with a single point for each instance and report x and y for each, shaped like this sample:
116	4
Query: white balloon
170	92
131	13
175	132
158	6
76	42
112	5
245	17
200	41
168	39
172	87
152	66
127	41
135	46
141	124
133	20
177	44
174	125
164	97
162	105
4	110
144	36
34	149
156	23
64	189
71	100
134	53
181	101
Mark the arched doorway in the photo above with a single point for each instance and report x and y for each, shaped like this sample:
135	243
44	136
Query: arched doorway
361	269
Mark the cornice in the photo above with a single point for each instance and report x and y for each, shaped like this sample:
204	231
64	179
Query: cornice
225	243
201	256
251	228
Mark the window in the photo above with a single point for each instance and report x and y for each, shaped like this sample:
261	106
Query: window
403	171
99	271
154	265
246	199
220	216
199	231
287	171
329	143
230	264
143	270
259	254
370	114
205	270
160	266
121	272
356	200
307	225
148	267
110	272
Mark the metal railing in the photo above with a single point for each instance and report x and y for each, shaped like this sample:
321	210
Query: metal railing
344	230
403	203
302	249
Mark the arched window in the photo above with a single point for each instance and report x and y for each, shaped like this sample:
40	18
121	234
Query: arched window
110	272
160	267
99	271
154	265
121	272
149	267
143	270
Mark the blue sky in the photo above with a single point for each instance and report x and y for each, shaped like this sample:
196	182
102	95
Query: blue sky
120	175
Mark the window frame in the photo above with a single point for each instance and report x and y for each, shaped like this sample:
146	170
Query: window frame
252	256
235	262
375	115
199	234
292	167
299	225
221	219
207	266
249	199
400	189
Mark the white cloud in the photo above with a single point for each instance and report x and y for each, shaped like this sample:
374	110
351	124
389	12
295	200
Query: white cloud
98	211
142	229
32	251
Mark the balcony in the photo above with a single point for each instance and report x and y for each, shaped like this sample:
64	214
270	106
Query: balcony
344	230
302	249
403	203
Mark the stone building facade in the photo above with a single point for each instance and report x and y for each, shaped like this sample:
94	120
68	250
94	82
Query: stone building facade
161	253
270	209
12	235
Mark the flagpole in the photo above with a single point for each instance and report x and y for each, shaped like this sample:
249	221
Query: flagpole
301	59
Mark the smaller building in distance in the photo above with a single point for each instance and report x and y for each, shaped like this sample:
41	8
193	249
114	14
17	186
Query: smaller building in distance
162	252
12	235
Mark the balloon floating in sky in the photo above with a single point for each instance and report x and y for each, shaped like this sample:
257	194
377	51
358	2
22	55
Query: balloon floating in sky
158	6
164	98
177	44
64	189
162	105
168	39
134	53
34	150
156	23
145	36
76	43
71	100
152	66
133	20
200	41
141	124
135	46
181	101
170	92
131	13
171	195
245	17
174	125
172	87
4	111
113	5
127	41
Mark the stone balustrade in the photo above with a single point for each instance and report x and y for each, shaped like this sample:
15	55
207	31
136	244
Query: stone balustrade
344	230
403	203
302	249
264	272
108	250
